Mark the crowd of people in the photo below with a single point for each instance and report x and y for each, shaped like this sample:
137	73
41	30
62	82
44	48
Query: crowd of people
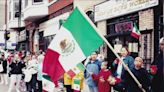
23	72
99	77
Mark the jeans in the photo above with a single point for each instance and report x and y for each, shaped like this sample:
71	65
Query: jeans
93	88
32	84
39	86
15	78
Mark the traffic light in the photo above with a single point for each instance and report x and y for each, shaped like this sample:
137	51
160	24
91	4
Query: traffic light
7	35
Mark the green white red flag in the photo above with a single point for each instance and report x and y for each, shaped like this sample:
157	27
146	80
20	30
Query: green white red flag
76	40
135	32
76	84
79	67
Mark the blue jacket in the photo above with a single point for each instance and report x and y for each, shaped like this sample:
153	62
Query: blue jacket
94	68
128	60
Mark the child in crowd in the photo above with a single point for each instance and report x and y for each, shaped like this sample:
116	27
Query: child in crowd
68	82
102	78
141	74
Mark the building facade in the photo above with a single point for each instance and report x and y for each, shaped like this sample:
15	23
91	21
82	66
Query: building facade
58	10
119	16
2	22
2	10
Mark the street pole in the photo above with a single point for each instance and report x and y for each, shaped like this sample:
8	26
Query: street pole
6	23
5	39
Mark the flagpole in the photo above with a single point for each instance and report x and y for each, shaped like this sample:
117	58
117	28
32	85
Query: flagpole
109	45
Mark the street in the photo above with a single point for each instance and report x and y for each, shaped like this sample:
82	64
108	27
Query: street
4	88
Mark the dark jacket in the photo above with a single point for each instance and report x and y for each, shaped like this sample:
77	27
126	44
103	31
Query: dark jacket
16	68
158	78
142	76
4	64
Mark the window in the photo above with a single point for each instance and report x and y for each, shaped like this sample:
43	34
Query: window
10	9
16	9
37	1
90	15
26	3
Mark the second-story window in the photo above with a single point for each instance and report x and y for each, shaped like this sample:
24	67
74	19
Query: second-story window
26	3
37	1
16	9
10	10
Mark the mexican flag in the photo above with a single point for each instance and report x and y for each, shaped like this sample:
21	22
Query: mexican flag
135	32
76	40
48	85
72	72
76	84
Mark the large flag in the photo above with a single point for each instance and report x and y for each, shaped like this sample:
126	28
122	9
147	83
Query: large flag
135	32
76	39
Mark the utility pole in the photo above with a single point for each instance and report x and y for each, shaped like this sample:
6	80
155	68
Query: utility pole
6	24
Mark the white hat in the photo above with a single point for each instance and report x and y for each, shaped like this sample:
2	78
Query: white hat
161	40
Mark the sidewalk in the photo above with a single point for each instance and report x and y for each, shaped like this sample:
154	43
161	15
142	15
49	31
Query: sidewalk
4	88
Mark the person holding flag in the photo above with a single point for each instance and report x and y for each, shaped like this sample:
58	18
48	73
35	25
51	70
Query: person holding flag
77	39
141	74
119	70
71	45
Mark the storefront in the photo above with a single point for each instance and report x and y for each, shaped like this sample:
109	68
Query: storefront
120	17
48	29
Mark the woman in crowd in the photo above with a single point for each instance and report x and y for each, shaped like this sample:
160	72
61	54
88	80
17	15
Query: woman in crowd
4	76
119	71
32	70
16	73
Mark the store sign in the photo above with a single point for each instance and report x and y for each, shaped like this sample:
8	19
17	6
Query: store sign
123	27
22	36
115	8
146	20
